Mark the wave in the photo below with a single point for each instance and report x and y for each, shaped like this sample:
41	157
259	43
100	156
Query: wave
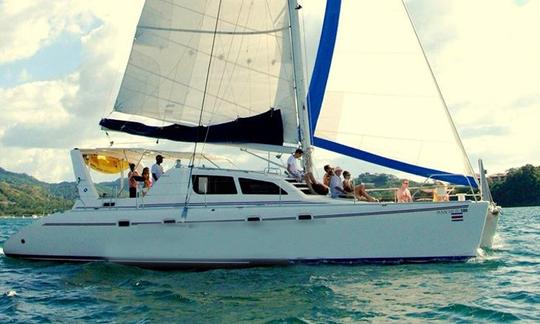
476	312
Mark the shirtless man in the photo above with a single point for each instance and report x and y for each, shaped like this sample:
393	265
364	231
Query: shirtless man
403	194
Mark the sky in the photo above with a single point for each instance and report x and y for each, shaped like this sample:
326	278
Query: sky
61	63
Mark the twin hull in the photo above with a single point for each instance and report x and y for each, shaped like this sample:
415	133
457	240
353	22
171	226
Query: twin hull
238	236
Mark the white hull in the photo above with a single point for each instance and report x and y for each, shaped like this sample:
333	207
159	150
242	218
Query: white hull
490	228
222	236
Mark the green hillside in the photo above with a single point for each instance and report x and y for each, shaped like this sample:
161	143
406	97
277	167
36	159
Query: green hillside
21	194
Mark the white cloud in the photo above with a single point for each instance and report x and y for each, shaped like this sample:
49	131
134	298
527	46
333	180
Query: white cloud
489	72
43	120
29	25
50	165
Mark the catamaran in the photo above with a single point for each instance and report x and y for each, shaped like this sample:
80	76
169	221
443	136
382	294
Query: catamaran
233	73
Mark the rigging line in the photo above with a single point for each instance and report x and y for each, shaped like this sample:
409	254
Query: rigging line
202	110
226	61
235	65
175	68
221	32
456	135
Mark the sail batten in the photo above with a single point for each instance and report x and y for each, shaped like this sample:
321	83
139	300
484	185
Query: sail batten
225	32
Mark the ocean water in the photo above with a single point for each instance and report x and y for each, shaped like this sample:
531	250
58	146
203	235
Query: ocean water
500	286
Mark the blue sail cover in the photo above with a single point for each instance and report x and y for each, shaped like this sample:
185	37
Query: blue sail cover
265	128
330	136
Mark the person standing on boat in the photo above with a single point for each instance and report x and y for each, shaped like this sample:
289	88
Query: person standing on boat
336	185
147	181
291	165
133	176
403	194
157	168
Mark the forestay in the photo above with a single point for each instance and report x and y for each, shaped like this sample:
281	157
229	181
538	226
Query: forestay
250	71
372	95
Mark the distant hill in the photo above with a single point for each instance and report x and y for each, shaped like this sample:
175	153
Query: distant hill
21	194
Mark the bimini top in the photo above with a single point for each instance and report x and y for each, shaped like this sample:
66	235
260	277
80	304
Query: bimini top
115	160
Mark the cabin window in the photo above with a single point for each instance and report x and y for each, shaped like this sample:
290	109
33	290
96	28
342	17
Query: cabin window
258	187
214	185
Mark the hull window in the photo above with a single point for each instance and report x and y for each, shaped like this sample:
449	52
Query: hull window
258	187
123	223
214	185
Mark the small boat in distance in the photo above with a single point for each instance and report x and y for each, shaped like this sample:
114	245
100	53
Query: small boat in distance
227	73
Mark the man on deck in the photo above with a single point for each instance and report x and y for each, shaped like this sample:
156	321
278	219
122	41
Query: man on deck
291	165
157	168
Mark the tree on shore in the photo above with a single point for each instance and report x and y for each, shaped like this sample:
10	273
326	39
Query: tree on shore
521	187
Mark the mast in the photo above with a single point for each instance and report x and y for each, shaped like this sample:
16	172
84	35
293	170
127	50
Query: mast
300	88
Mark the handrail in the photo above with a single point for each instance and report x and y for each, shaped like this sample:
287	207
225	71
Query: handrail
446	174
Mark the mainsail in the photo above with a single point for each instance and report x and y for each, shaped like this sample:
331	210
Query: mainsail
213	71
372	95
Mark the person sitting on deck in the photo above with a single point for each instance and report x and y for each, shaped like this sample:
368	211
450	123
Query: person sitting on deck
315	186
291	165
440	193
359	191
336	185
328	172
403	194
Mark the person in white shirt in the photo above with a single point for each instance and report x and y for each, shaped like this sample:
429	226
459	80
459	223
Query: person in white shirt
291	165
336	185
157	168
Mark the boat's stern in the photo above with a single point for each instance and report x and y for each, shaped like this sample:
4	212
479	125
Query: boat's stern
24	243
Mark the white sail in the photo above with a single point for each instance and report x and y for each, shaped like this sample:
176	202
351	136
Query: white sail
250	63
381	102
